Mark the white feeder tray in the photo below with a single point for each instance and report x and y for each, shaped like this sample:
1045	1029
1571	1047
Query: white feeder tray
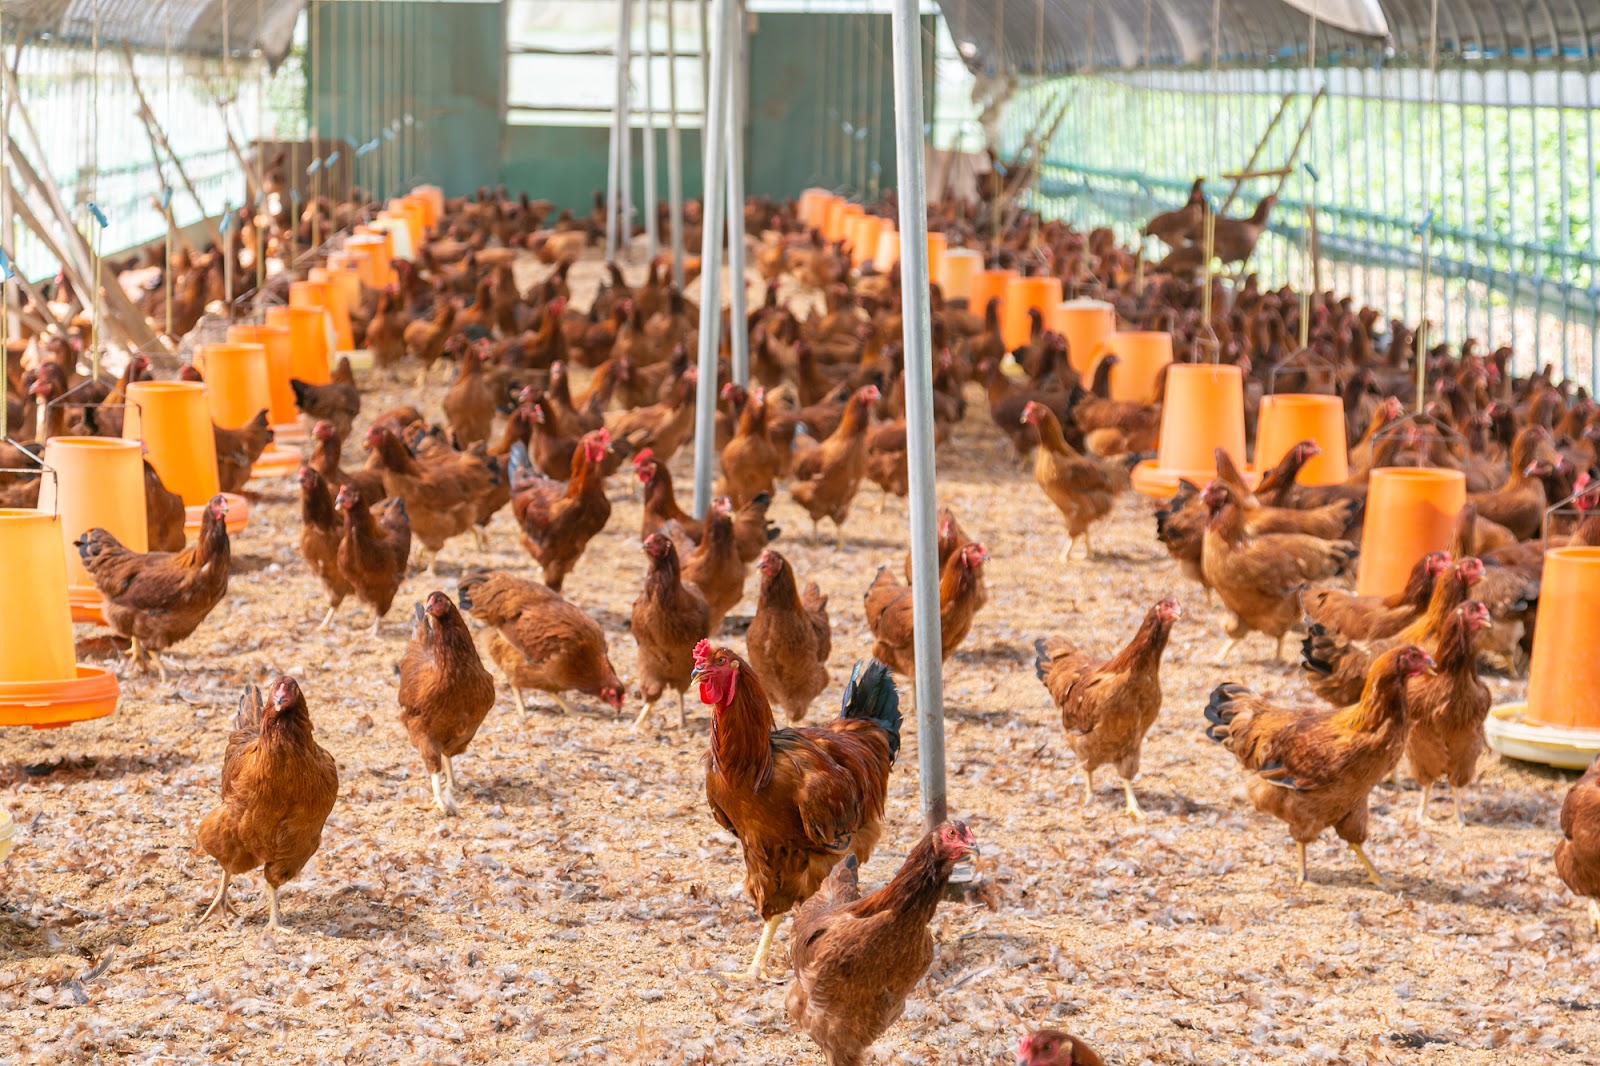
7	831
1510	736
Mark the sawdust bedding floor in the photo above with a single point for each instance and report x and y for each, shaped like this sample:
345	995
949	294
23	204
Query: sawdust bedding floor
582	906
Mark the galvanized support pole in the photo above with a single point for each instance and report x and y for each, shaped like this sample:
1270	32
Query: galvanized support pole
738	334
625	128
614	156
716	127
914	298
652	235
674	155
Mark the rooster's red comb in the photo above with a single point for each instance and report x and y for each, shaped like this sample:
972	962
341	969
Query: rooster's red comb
702	654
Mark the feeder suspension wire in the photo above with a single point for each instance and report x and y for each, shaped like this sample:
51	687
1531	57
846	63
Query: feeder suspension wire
1309	248
1420	347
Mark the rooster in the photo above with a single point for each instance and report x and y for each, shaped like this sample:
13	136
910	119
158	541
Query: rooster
1314	768
798	799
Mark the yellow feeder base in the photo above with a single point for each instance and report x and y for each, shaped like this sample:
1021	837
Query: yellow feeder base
87	605
7	832
52	704
273	463
1511	737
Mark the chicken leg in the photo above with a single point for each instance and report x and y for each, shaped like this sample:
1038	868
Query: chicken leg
1227	649
479	539
683	712
1422	802
442	798
516	694
566	708
1300	852
327	620
449	773
221	900
644	715
758	964
1455	801
1088	789
273	921
1132	804
1373	875
1594	916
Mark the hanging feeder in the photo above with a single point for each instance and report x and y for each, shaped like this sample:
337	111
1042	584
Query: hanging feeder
309	338
41	683
286	425
809	205
316	295
958	269
887	253
1284	419
1203	410
1411	511
1142	357
237	390
173	421
1086	324
1559	724
99	482
938	245
435	199
1024	294
404	207
374	247
990	285
337	304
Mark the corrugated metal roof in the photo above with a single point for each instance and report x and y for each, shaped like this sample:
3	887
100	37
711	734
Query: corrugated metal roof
1004	35
194	27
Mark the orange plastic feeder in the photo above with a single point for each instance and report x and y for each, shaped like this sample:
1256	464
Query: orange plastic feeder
308	341
958	270
938	244
337	305
408	209
1411	511
812	201
397	228
887	253
173	420
237	390
1086	324
373	251
841	220
323	296
1141	357
435	199
987	285
1024	295
1286	419
99	482
1203	411
286	427
865	239
41	684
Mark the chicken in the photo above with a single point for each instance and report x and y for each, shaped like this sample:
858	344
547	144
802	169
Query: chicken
826	478
669	619
158	599
278	788
660	505
445	693
321	530
539	640
1329	521
1345	615
164	514
1078	485
1520	504
558	520
888	607
425	338
714	567
789	638
1108	707
1052	1047
1259	578
325	453
441	500
798	799
856	958
238	449
888	460
1447	710
469	403
1578	851
337	403
951	539
750	461
1181	529
1315	768
752	531
373	550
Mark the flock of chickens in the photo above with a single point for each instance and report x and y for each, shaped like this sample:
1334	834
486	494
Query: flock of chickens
823	413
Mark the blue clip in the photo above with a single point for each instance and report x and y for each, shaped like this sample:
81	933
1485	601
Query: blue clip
316	165
409	120
227	216
861	134
1309	169
5	267
166	197
99	215
332	158
362	150
848	128
1425	224
388	134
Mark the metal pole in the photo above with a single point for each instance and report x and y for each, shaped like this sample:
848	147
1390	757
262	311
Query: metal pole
614	149
716	126
625	127
674	155
738	334
652	235
919	404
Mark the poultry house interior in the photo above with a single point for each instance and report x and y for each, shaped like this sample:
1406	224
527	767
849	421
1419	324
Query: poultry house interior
528	677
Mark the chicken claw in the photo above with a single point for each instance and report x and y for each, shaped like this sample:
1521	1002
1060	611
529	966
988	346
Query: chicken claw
1300	852
1455	801
1373	875
1594	916
221	900
566	708
644	715
757	970
1132	804
1422	806
1088	788
327	620
442	799
273	922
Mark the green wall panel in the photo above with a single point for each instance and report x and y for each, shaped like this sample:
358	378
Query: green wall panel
567	164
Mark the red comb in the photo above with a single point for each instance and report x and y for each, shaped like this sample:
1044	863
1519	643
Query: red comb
702	653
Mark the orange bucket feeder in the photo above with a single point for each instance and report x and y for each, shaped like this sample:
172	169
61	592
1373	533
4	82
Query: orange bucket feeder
1086	324
99	482
373	254
1411	511
1203	411
337	305
435	200
286	427
308	341
938	244
958	270
1286	419
1560	723
41	684
173	421
408	209
237	389
865	239
1141	357
395	226
887	253
1024	295
988	285
840	220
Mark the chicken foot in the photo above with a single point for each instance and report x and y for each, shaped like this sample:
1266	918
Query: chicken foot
1424	787
757	970
443	798
1455	801
1088	789
1373	875
1300	853
644	715
1132	801
1594	916
327	619
566	708
221	900
273	921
